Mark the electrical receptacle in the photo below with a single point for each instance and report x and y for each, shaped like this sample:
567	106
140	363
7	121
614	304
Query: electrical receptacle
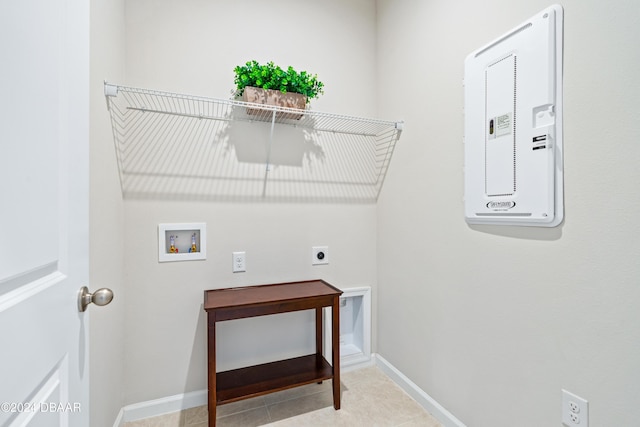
319	255
575	410
239	262
573	407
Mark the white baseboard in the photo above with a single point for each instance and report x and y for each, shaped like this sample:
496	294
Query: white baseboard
119	422
165	405
179	402
445	417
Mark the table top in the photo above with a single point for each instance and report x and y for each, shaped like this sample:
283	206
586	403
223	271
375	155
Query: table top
265	294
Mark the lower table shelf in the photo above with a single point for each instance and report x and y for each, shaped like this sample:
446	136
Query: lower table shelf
243	383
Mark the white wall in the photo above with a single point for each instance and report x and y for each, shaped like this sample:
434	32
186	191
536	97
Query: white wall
106	218
493	321
192	47
490	321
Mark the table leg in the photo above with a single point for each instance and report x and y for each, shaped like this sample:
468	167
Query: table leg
319	333
335	350
319	329
211	349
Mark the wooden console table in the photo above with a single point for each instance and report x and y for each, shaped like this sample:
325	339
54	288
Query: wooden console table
251	301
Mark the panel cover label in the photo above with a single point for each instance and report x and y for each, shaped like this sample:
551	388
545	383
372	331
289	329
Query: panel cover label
500	126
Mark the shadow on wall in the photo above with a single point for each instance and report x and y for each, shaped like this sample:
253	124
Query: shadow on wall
525	233
195	380
177	147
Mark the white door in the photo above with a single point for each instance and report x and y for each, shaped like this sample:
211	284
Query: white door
44	119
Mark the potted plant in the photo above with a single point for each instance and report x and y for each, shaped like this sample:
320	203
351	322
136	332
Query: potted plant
270	84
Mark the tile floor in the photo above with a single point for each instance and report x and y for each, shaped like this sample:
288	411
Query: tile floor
369	398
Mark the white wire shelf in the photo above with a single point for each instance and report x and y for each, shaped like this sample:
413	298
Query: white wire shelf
176	146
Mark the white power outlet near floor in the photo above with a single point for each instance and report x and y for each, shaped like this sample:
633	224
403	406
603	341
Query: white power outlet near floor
575	410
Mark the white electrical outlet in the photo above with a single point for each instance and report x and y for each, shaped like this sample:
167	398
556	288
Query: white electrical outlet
575	410
239	262
319	255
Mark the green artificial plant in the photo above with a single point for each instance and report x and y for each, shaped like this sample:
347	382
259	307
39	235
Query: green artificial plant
271	76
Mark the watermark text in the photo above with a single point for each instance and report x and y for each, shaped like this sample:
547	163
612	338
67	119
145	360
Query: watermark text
40	407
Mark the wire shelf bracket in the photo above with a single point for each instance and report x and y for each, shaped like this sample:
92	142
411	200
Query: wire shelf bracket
177	146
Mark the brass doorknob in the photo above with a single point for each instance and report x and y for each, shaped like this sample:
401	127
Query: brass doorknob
102	296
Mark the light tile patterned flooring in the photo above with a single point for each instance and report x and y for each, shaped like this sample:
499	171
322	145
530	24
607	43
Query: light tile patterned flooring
369	398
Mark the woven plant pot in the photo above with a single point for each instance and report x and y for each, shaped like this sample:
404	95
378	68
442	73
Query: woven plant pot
274	97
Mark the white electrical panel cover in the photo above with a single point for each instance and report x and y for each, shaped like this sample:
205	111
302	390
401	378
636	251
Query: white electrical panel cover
513	126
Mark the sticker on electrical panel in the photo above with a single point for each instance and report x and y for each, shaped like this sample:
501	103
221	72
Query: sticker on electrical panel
503	125
500	126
